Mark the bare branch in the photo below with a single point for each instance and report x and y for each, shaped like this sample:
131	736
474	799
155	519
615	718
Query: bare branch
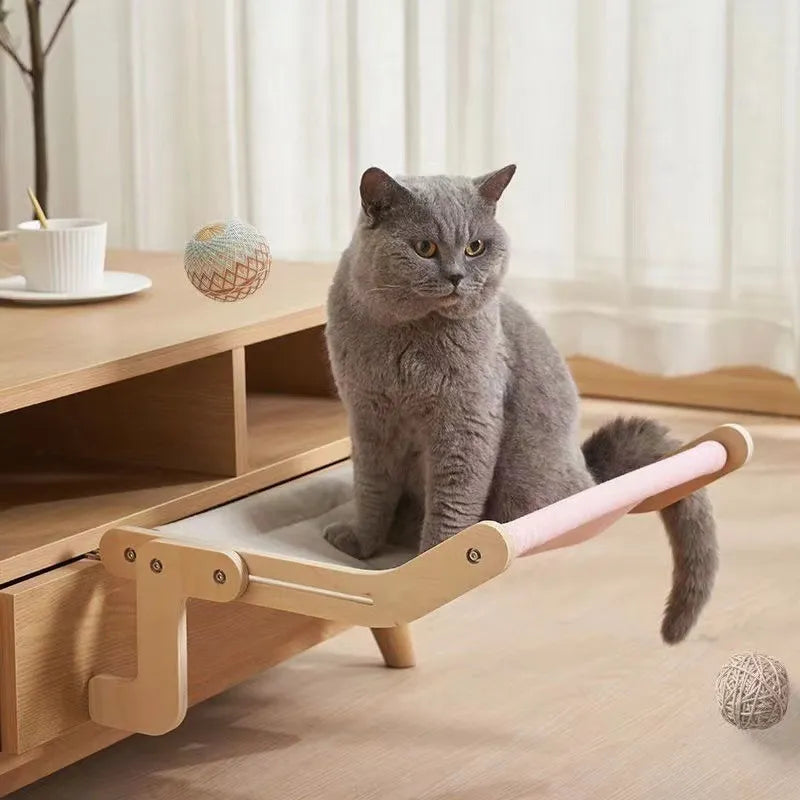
15	58
60	24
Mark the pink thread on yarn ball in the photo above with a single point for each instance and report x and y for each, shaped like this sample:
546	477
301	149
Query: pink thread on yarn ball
227	261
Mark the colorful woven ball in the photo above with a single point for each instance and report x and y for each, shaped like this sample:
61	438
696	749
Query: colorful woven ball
227	261
753	691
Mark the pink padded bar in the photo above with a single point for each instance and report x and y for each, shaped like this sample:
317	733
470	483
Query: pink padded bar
582	516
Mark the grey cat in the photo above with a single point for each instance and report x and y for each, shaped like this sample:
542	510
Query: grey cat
460	407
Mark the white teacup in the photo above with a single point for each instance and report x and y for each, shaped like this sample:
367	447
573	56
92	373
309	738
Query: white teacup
68	256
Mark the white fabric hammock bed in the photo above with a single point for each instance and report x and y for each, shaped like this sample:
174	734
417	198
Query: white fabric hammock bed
287	520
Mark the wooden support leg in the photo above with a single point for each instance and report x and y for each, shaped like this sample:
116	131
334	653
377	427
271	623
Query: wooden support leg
395	646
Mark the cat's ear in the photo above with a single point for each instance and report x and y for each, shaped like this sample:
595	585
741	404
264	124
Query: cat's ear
492	186
379	192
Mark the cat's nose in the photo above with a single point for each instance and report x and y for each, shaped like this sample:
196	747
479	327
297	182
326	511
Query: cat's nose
455	279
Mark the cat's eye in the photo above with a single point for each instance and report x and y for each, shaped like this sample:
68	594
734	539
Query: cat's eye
476	248
426	248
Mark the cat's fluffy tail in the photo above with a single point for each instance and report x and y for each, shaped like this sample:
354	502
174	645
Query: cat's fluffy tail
626	444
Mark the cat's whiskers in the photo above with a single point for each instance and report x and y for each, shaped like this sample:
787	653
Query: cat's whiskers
431	288
385	288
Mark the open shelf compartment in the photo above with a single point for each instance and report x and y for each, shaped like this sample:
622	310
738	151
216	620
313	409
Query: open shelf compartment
292	407
162	446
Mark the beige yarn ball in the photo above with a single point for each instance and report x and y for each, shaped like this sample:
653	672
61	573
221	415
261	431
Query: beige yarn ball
227	261
753	691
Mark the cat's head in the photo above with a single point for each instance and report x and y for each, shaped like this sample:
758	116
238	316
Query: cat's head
429	245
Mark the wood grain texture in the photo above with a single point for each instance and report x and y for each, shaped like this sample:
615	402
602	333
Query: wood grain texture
241	443
388	597
72	348
178	418
549	683
295	364
749	389
18	770
396	646
64	626
280	425
52	510
155	699
372	598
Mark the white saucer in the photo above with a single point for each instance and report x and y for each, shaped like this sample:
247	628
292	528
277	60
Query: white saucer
115	284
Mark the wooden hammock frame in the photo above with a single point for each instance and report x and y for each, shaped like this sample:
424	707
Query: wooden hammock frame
169	571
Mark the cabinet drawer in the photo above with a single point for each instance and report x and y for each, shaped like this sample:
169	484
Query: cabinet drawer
59	628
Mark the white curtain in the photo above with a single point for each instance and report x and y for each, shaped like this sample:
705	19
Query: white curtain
654	216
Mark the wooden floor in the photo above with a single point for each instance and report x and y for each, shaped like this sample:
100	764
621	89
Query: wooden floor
550	682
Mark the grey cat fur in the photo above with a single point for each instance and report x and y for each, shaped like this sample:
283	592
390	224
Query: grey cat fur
460	407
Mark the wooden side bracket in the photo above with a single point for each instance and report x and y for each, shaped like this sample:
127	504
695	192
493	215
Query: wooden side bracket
167	573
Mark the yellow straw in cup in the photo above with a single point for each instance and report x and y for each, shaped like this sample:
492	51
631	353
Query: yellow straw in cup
38	209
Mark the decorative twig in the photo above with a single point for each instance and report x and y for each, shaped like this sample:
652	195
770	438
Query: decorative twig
34	77
14	57
61	22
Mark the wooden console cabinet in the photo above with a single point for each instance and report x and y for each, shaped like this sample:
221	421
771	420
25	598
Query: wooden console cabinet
142	411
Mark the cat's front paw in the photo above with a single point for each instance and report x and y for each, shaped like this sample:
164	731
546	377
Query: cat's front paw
343	537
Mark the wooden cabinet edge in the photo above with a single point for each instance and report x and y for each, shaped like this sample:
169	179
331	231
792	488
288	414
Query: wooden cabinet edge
241	446
19	770
44	390
9	727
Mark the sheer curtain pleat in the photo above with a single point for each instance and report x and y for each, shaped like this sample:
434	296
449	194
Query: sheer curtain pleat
654	215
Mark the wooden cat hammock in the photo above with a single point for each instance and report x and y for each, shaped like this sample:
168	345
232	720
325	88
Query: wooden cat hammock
168	571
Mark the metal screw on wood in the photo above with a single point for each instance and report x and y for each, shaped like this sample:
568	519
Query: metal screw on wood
156	565
130	554
473	555
219	576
